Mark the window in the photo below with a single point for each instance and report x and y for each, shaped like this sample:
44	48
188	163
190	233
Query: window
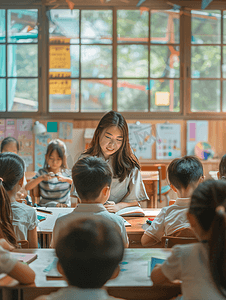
93	70
18	60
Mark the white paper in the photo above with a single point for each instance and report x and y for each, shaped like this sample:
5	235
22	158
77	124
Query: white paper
197	131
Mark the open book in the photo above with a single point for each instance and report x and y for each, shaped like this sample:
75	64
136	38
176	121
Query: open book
132	211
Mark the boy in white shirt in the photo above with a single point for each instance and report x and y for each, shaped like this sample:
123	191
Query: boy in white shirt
89	252
184	175
92	178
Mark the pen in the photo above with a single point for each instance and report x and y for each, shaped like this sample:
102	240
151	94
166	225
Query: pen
44	211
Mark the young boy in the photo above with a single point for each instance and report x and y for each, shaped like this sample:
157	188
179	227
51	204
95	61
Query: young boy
184	175
89	252
92	179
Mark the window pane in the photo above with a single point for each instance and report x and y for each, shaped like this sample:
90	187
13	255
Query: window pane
165	95
2	25
64	61
224	95
132	26
64	95
205	95
224	62
132	61
2	95
165	61
224	27
23	94
22	60
165	26
96	61
96	95
22	25
206	27
205	61
64	26
96	26
132	95
2	61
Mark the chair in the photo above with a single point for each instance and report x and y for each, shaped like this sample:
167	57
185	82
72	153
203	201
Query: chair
24	244
21	201
35	194
170	241
161	169
171	202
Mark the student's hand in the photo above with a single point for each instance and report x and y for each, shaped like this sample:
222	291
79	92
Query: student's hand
112	208
46	177
62	178
61	205
6	245
20	195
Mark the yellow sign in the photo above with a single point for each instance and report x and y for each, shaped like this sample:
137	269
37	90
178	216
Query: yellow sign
59	40
59	74
162	98
60	87
59	57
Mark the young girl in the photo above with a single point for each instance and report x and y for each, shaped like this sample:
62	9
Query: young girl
222	168
18	220
201	266
54	180
9	265
111	142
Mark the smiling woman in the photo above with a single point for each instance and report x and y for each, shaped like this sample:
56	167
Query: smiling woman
111	142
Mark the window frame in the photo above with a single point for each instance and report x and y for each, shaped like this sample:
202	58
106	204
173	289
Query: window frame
185	66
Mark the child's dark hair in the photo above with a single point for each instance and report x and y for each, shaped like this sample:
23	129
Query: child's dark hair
60	147
9	140
222	167
89	251
208	204
123	160
11	171
90	175
184	171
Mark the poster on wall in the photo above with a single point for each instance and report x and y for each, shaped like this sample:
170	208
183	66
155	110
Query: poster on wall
168	144
41	142
2	129
11	129
65	131
141	140
197	131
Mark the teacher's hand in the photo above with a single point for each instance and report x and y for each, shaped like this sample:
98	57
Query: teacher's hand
112	208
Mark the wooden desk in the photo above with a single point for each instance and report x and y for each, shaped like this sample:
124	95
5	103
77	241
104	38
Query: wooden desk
132	282
135	232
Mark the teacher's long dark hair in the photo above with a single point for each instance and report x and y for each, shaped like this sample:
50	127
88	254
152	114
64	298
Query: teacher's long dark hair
208	204
11	171
123	160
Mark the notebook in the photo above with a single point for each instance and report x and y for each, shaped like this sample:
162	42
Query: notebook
52	272
152	263
25	257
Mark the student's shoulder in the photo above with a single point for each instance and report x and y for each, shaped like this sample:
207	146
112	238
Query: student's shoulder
22	207
114	218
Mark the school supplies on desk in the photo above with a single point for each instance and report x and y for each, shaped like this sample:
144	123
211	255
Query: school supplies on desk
44	211
126	223
24	257
52	272
132	211
41	218
152	263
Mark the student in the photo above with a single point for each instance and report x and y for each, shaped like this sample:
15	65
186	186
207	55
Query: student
11	266
92	178
10	144
201	266
111	142
54	180
89	252
221	174
184	175
18	220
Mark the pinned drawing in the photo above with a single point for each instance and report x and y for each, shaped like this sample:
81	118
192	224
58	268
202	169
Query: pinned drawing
41	142
141	140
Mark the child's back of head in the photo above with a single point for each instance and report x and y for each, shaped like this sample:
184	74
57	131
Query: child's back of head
185	171
90	175
10	144
208	205
89	251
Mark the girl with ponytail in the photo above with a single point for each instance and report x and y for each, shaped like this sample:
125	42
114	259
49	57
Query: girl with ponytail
201	266
18	221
